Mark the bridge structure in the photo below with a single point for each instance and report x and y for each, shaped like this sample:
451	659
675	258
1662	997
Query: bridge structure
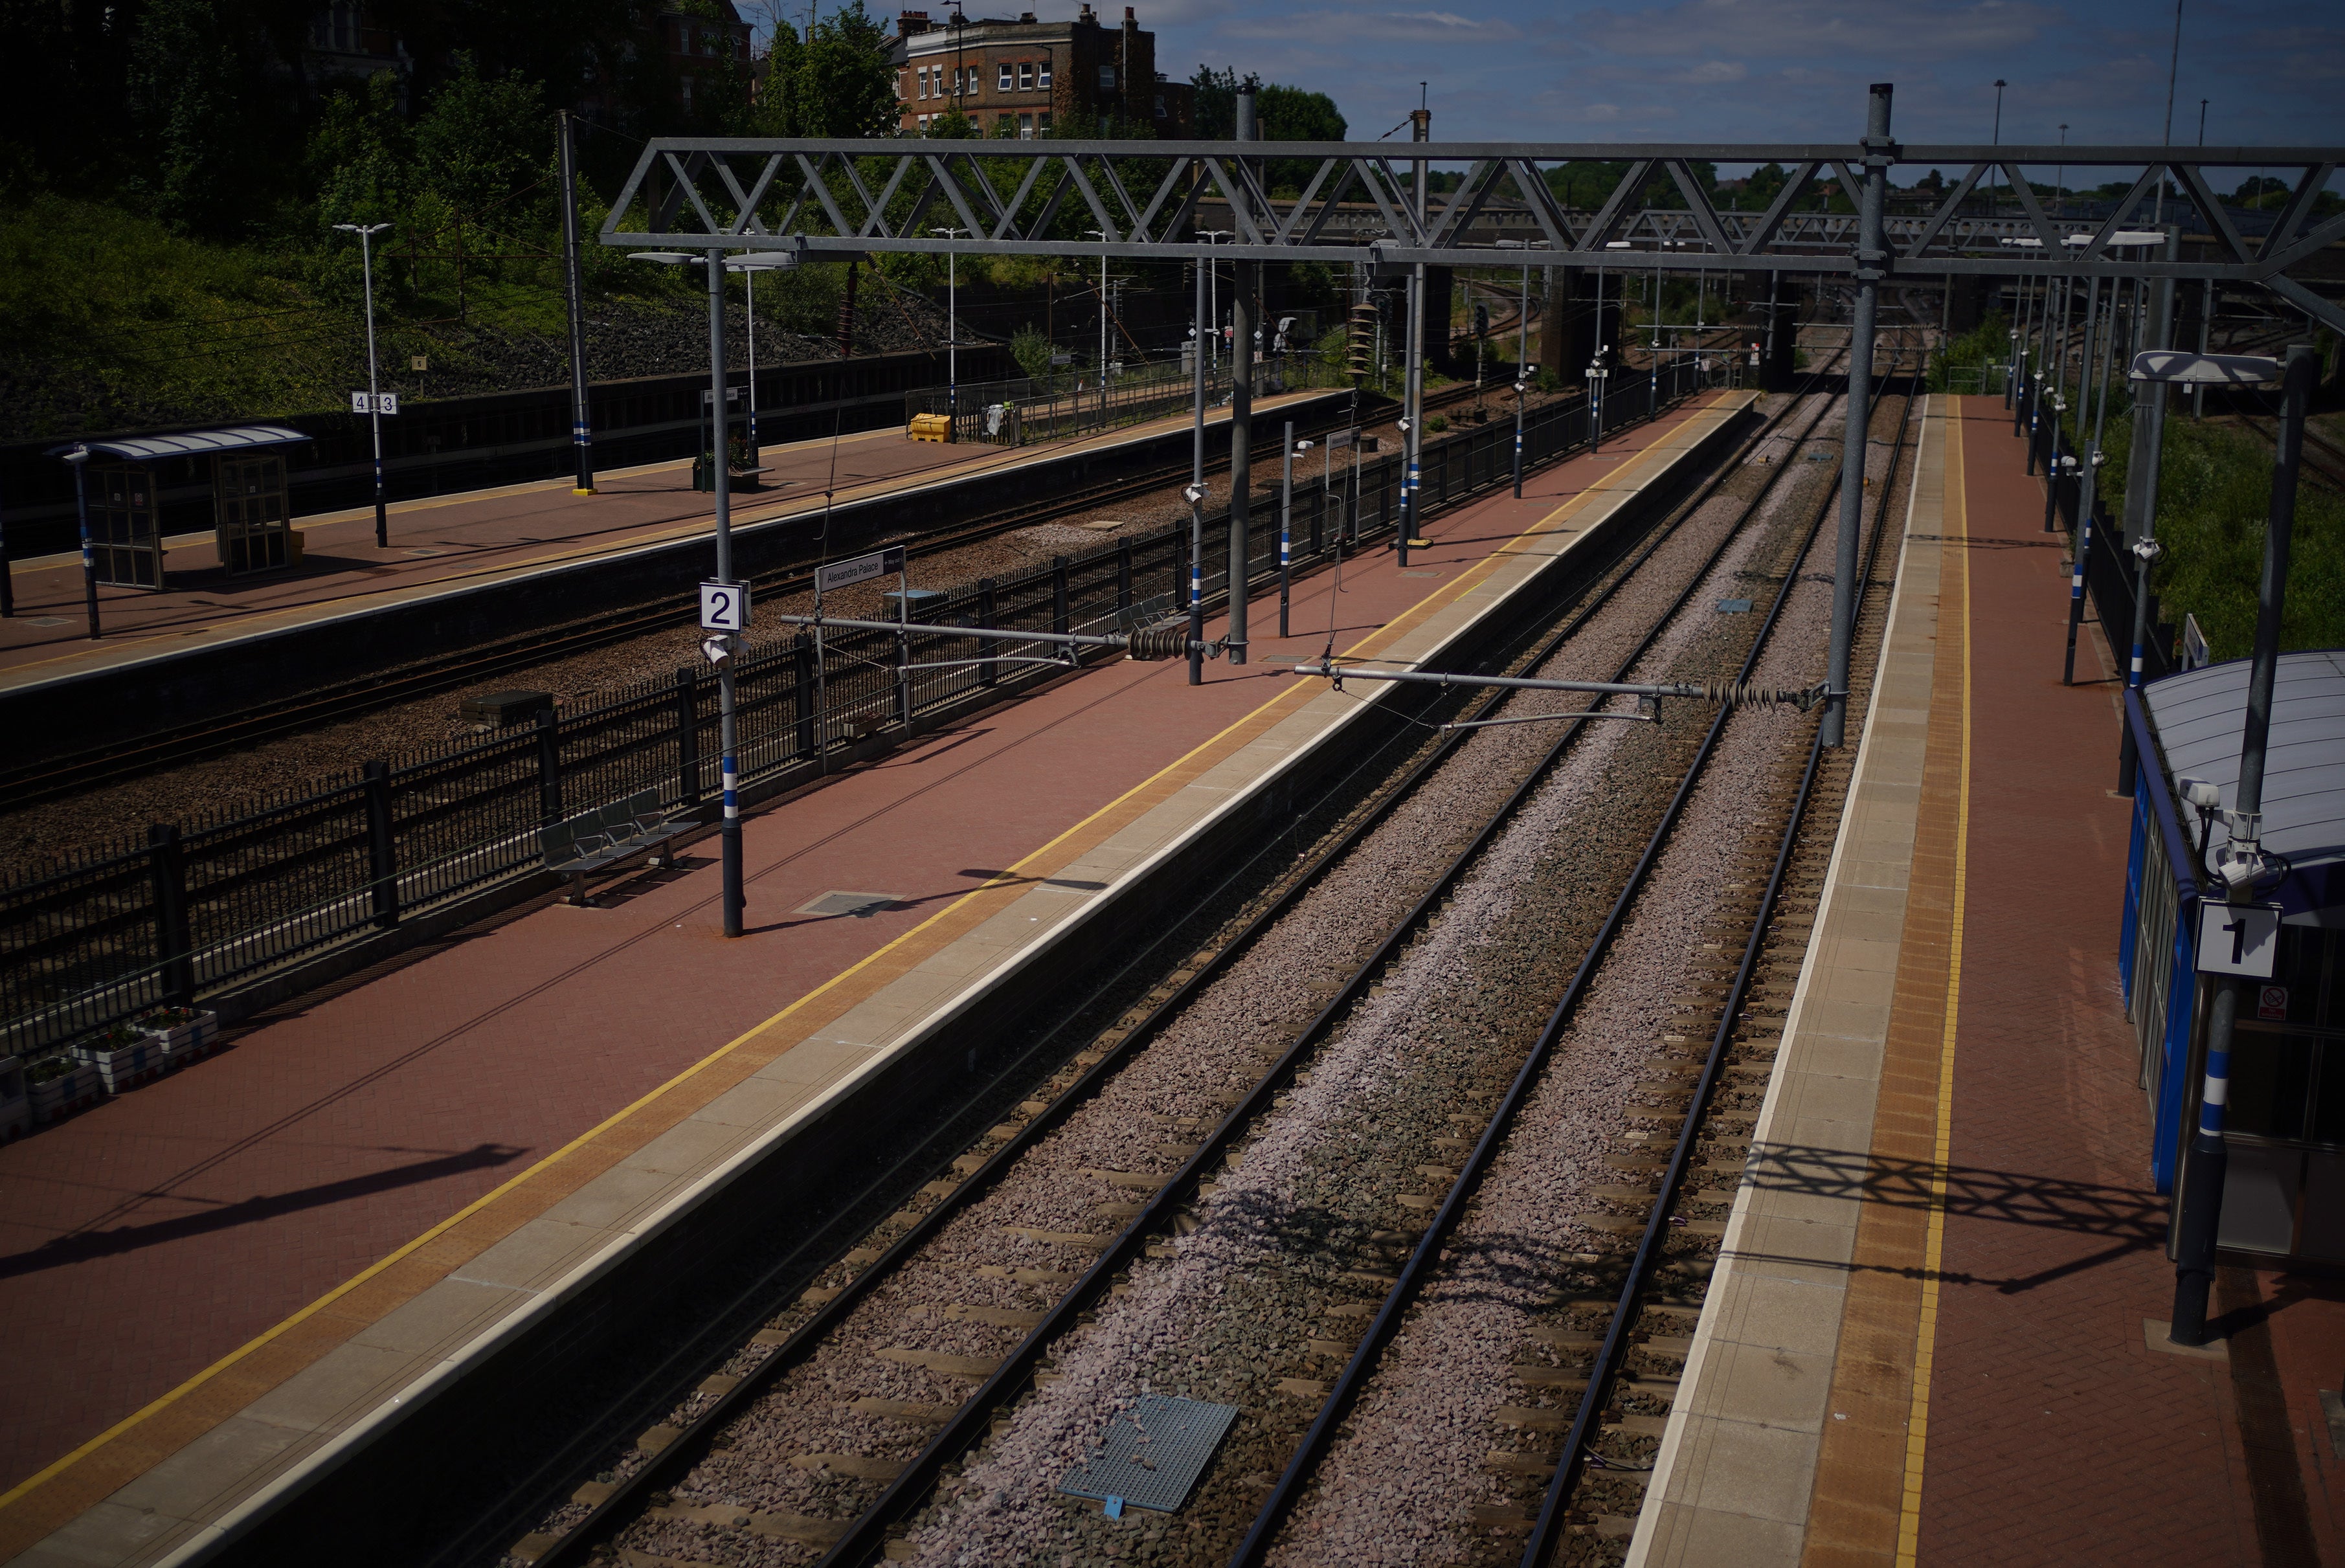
798	200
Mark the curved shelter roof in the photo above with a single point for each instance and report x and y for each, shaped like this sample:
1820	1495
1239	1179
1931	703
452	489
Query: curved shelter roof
187	443
2198	715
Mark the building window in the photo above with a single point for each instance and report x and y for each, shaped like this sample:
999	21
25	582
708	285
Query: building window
1043	126
683	84
924	125
922	83
1160	106
972	82
1107	78
1042	78
1025	127
1025	75
1003	83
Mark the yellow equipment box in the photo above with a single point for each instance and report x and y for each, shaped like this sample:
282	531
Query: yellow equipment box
931	427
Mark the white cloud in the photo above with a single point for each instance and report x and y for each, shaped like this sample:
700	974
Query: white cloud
1773	29
1376	27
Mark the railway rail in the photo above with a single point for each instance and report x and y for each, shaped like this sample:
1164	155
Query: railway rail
856	1526
27	782
1745	951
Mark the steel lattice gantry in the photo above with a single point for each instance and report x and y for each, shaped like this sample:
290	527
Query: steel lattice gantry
847	197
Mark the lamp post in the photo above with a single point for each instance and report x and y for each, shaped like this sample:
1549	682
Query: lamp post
1103	236
749	271
1212	292
1522	354
1194	494
1998	140
722	650
2242	865
952	326
79	458
366	233
1286	523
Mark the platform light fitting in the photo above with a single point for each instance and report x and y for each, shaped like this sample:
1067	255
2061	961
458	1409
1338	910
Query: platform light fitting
2204	369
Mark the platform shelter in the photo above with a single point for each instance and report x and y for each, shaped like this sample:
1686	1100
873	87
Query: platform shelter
2285	1127
252	522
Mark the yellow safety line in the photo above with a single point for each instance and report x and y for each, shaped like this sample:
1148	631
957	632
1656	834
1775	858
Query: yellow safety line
1917	1434
1453	589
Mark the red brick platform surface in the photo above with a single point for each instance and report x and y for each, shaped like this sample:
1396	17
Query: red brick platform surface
457	539
146	1240
2058	1434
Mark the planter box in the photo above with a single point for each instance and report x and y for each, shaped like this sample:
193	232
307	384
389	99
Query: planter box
15	1106
188	1042
122	1067
64	1095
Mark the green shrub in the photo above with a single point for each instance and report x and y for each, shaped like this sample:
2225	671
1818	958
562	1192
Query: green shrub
2214	498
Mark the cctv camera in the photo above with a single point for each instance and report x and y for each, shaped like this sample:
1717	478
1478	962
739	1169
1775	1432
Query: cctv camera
1522	387
716	650
1194	494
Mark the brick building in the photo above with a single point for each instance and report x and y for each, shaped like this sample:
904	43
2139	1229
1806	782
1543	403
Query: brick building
1018	78
698	45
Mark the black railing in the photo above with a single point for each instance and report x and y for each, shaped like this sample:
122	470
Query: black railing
2111	578
201	906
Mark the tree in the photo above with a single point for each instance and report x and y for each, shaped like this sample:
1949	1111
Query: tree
481	142
358	158
191	115
1218	101
1290	115
843	85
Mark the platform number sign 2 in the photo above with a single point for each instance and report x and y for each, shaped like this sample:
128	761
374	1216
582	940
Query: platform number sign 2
2240	939
725	607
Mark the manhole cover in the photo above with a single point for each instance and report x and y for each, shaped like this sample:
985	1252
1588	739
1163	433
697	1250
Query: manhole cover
1735	607
862	906
1153	1453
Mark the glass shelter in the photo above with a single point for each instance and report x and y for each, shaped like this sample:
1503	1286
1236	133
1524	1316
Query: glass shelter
252	525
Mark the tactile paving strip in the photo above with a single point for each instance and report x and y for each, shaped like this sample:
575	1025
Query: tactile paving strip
1153	1453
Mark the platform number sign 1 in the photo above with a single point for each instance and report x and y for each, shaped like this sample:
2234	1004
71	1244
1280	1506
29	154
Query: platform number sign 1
725	607
2240	939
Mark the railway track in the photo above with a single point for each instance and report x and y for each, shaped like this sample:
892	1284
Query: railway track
25	784
1034	1189
1711	1069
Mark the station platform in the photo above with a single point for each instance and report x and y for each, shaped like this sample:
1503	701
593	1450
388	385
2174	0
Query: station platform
1937	1327
466	541
224	1283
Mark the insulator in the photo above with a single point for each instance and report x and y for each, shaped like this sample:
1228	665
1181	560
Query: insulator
1743	694
1149	643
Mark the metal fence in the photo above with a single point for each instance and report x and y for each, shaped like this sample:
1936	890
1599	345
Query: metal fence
202	906
2110	577
1018	413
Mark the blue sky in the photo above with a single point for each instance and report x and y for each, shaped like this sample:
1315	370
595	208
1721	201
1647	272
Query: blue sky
1763	70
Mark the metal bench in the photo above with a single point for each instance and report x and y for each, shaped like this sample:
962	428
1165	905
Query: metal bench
595	841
